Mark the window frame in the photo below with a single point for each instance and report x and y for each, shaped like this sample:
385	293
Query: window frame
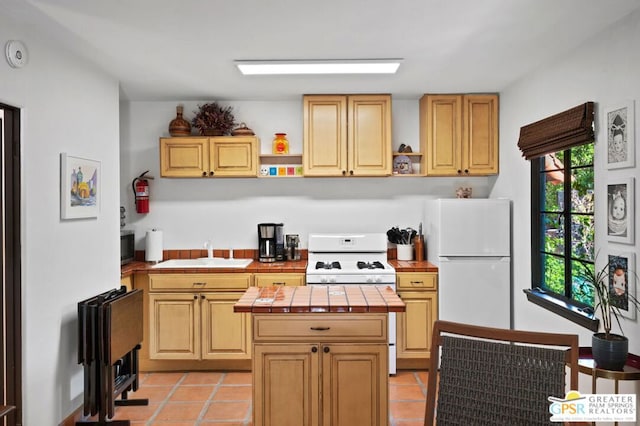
562	305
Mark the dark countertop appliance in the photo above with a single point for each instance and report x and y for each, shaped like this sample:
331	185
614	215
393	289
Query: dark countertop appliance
270	242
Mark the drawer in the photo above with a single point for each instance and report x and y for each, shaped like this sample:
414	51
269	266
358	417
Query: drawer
320	327
417	281
268	280
192	282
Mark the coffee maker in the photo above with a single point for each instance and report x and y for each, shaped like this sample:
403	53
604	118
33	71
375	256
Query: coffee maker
270	242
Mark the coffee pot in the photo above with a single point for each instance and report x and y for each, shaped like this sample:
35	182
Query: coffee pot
270	242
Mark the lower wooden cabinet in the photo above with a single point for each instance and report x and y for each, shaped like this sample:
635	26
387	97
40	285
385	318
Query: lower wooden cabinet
198	326
303	378
418	290
189	322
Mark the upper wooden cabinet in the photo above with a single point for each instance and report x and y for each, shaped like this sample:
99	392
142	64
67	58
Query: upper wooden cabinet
223	156
460	134
347	135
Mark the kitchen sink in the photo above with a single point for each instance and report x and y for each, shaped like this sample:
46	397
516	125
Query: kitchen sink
205	262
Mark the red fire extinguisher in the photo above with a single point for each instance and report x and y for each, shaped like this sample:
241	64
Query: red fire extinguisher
140	187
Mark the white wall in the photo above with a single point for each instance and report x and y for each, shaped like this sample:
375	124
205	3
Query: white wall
227	211
66	106
603	70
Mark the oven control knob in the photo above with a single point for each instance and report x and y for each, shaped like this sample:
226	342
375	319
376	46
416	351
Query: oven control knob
332	279
378	279
323	279
369	279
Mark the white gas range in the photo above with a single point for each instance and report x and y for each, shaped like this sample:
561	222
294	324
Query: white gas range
359	258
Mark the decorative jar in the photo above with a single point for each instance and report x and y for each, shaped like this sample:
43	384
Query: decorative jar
280	144
179	126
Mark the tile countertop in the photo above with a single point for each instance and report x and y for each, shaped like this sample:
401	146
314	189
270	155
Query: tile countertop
299	266
320	298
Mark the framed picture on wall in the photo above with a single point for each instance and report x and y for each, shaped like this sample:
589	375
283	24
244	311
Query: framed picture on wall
620	210
620	120
79	187
622	283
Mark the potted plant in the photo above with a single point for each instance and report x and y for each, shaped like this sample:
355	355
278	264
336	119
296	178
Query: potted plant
211	119
609	350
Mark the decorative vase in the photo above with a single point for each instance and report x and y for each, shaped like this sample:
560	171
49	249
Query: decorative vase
280	144
213	132
611	353
179	126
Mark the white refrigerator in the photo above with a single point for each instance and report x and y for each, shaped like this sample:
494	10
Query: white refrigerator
470	242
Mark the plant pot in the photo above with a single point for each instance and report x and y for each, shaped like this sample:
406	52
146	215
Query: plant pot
213	132
611	353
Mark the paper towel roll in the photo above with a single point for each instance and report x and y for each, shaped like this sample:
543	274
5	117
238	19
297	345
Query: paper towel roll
153	249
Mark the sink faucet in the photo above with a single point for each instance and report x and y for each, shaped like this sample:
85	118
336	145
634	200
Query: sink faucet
209	246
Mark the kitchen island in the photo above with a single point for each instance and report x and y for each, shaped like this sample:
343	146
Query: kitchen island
320	354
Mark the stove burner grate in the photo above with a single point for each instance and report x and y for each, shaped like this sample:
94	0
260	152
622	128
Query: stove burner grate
370	265
327	265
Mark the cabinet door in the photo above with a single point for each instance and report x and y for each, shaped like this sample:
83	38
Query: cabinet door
225	334
369	147
286	385
354	384
234	156
269	280
415	326
480	137
184	157
441	125
325	135
174	326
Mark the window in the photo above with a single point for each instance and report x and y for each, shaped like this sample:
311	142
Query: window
562	233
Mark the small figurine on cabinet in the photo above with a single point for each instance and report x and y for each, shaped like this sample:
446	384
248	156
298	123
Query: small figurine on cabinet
463	192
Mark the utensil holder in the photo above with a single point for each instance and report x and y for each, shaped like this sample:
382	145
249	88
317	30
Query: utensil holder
404	252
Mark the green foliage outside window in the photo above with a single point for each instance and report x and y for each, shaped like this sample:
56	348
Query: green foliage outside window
557	212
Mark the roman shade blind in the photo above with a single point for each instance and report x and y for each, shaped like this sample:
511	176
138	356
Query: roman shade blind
561	131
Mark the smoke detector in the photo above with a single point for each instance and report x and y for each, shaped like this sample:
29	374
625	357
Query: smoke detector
16	53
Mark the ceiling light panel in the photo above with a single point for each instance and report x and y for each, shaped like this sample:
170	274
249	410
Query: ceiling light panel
372	66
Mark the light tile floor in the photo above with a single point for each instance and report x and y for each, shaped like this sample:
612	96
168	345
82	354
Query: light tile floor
224	398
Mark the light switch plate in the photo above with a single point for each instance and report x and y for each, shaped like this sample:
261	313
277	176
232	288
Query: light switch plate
16	53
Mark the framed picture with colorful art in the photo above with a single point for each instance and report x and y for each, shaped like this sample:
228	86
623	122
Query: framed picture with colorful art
622	282
79	187
620	210
620	120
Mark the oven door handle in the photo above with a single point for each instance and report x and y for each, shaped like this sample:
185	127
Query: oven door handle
320	328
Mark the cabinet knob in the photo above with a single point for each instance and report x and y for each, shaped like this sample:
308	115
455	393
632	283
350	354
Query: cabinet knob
211	173
344	172
326	349
459	171
314	349
351	172
195	297
466	171
204	174
202	296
